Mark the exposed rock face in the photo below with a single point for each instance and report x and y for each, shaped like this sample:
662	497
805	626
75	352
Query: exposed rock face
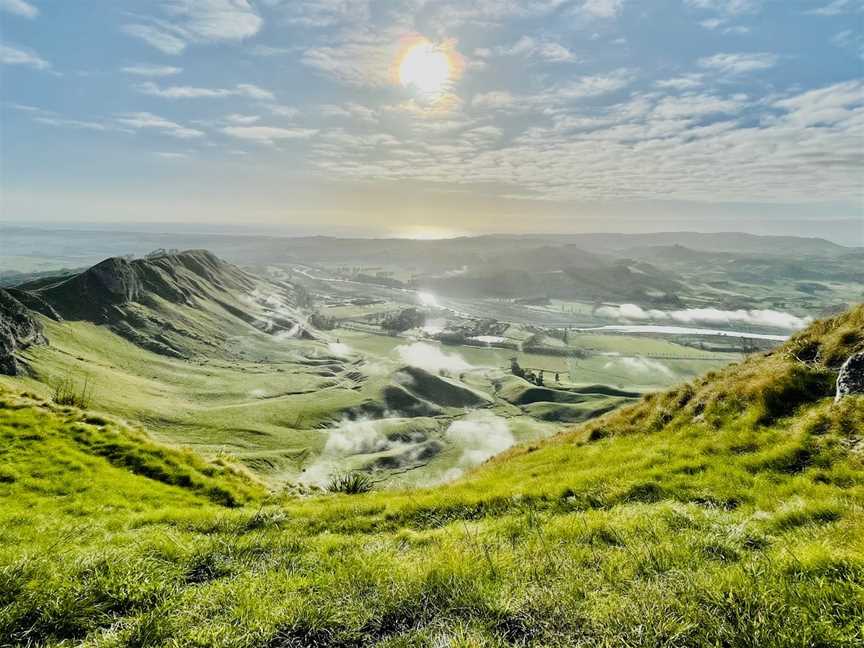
18	330
851	378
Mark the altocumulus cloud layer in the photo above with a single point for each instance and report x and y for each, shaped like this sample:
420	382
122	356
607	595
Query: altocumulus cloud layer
555	101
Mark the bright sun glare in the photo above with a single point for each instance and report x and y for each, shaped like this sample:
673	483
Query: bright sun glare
425	68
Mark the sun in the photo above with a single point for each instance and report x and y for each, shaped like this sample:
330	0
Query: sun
426	69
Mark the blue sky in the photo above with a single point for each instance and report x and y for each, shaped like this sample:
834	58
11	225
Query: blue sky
558	115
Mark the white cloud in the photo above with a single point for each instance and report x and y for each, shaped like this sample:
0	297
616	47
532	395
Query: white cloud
13	56
243	120
72	123
196	22
493	100
803	147
268	134
152	70
432	358
548	51
481	435
601	8
155	37
837	8
767	318
640	366
851	41
19	8
168	155
733	64
146	120
727	7
684	82
192	92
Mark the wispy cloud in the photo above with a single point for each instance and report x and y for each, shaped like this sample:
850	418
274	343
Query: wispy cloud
184	22
727	7
851	41
601	8
837	8
739	63
268	134
243	120
160	39
19	8
193	92
527	46
10	55
146	120
152	70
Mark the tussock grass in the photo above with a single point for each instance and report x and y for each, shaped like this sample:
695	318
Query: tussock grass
708	515
352	483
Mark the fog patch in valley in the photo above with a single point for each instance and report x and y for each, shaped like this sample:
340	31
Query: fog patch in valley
770	318
641	366
432	358
481	435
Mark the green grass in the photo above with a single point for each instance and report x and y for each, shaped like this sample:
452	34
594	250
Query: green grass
726	513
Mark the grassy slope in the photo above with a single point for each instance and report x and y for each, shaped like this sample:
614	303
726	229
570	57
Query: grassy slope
725	513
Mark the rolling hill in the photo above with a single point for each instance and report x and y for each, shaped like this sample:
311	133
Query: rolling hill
729	511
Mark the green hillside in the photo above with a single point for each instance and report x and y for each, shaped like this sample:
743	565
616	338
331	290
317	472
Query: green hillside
727	512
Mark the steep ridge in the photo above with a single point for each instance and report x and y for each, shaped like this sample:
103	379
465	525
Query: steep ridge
175	304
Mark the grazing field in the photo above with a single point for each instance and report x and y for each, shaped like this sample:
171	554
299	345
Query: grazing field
730	509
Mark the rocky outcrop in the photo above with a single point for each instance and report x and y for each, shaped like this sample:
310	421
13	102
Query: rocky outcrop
19	329
851	378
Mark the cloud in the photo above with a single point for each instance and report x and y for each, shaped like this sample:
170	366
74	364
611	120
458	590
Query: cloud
684	82
733	64
548	51
191	92
161	40
172	156
185	22
13	56
268	134
727	7
152	70
768	318
243	120
642	366
493	100
601	8
146	120
72	123
851	41
836	8
800	147
432	358
19	8
481	435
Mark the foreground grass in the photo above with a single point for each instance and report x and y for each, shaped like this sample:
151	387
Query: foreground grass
725	513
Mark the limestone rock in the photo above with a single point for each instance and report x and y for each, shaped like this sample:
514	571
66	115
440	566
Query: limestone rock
851	378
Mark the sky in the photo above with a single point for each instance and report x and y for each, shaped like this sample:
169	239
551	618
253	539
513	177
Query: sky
435	118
